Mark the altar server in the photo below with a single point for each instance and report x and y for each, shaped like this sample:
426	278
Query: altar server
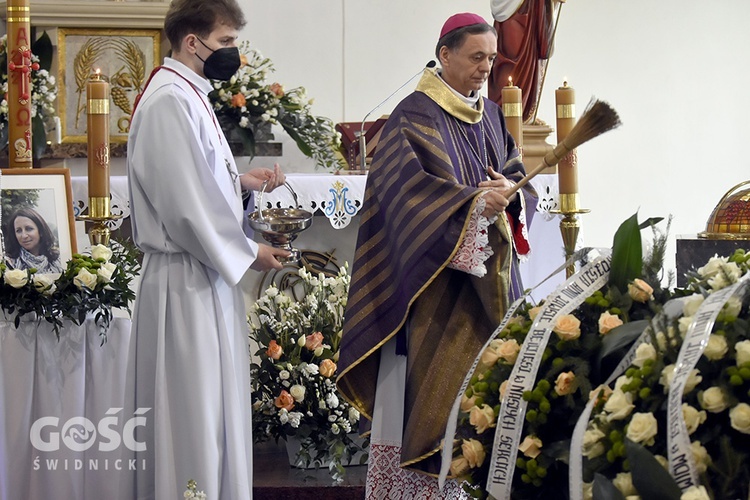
192	374
436	260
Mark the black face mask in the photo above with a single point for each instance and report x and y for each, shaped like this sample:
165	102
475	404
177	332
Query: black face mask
222	64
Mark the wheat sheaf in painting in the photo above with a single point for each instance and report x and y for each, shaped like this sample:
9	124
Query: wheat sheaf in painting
124	57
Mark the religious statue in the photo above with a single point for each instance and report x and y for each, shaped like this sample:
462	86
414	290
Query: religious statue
525	30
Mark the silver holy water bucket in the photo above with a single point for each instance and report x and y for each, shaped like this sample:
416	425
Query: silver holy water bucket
280	226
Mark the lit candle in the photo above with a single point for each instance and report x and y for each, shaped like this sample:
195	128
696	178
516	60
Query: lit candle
567	174
19	84
97	110
513	110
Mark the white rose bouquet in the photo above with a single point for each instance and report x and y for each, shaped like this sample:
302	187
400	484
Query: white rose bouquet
90	284
297	332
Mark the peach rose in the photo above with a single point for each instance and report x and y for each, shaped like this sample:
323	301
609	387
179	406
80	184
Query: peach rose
531	446
473	452
568	327
327	368
459	466
243	60
503	388
274	350
277	89
509	351
285	400
482	418
608	322
490	355
238	100
640	291
313	341
565	383
467	403
534	311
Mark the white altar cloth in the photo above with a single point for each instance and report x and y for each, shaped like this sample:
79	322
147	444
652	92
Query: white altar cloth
338	197
62	427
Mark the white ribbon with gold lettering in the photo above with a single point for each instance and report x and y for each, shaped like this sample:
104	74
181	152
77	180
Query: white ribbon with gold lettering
513	408
681	462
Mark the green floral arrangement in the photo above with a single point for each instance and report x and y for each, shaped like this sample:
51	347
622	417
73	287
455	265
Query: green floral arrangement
576	360
90	284
626	440
297	332
43	92
246	102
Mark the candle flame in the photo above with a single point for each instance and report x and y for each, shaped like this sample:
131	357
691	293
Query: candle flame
510	81
565	81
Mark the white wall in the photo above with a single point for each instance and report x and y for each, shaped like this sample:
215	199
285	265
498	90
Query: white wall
675	70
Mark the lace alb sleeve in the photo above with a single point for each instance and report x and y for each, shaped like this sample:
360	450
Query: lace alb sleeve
475	248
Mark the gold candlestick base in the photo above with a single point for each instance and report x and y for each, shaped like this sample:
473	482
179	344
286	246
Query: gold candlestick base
570	226
99	234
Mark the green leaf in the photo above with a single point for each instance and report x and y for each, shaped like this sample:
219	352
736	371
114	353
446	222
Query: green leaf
619	337
604	489
650	478
651	221
42	48
301	144
627	258
248	139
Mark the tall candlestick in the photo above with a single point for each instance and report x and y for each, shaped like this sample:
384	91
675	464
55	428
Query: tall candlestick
513	111
567	169
19	84
97	96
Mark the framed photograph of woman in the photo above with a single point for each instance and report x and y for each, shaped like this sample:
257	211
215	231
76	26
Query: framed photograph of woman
38	228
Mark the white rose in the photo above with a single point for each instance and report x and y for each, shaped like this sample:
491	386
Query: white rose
619	405
713	399
622	380
716	348
712	266
592	443
700	457
43	284
693	417
691	304
683	324
332	400
101	252
644	352
298	392
739	416
642	428
695	493
17	278
85	279
667	374
743	352
284	375
353	415
732	307
624	482
104	273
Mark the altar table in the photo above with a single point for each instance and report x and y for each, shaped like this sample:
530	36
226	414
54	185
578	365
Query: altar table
62	424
